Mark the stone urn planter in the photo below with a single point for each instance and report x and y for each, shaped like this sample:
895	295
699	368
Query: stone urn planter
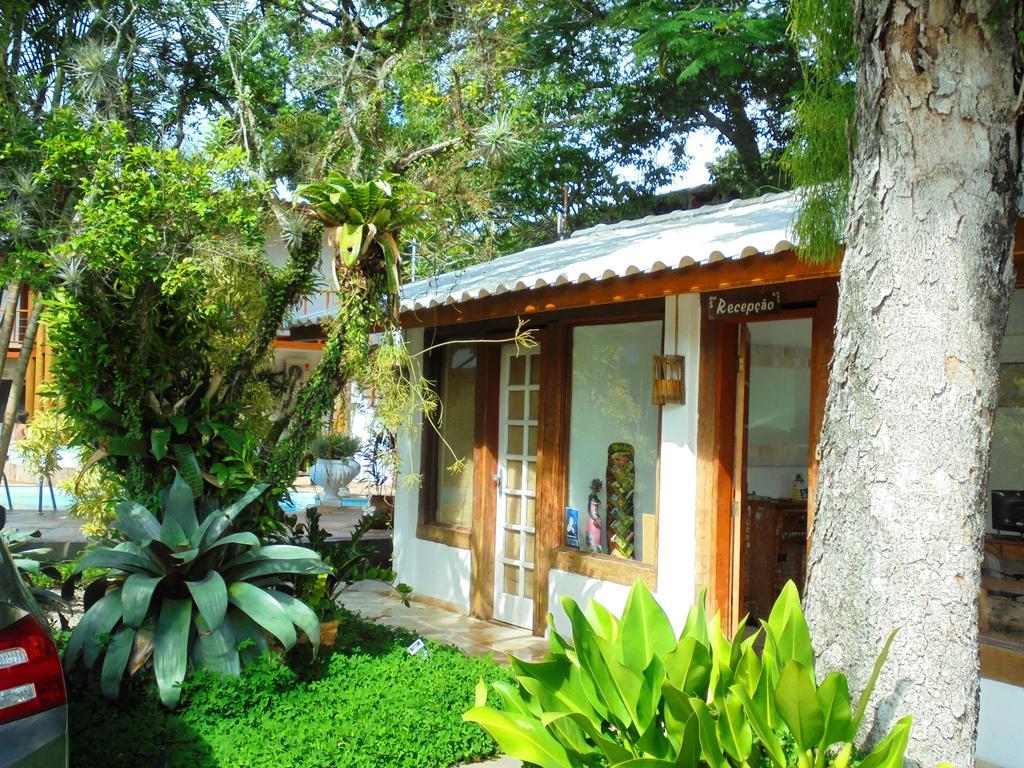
335	467
334	475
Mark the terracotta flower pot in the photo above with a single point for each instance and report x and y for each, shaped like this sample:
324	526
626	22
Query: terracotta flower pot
328	632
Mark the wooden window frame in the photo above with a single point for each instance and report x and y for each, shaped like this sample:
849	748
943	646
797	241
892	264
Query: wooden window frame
1000	663
596	565
427	527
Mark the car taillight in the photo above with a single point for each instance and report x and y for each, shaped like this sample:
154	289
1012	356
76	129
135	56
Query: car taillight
31	679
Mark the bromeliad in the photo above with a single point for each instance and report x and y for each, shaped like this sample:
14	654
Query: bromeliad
183	589
368	217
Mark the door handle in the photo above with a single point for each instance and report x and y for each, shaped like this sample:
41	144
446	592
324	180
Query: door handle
499	479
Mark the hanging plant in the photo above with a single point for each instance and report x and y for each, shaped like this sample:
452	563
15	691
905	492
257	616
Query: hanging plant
368	217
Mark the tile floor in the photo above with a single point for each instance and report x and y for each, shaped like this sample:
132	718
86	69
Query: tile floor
374	601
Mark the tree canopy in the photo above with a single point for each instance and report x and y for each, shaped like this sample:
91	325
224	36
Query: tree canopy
496	108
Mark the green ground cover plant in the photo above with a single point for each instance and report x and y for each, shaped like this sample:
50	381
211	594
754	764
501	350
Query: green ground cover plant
365	702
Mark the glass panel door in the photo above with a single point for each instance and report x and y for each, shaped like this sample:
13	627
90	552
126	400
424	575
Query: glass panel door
516	518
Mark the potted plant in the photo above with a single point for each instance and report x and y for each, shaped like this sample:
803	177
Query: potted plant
335	466
378	458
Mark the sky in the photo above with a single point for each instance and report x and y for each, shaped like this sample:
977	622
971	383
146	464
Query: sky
701	146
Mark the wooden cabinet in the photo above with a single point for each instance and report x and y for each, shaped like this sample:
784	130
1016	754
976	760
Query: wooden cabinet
774	551
1002	590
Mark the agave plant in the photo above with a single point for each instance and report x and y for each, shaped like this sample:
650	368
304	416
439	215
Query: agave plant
631	693
185	590
365	214
30	564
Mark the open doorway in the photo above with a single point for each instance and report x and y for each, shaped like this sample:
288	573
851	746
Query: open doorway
770	470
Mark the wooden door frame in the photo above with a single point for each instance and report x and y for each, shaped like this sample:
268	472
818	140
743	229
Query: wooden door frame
552	451
716	430
738	490
485	458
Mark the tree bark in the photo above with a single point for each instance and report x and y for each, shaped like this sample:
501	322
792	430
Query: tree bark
924	291
10	318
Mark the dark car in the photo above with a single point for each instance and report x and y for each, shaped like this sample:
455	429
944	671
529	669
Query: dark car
33	698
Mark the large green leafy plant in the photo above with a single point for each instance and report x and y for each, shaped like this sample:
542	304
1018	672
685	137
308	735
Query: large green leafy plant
184	589
368	217
31	564
163	319
631	693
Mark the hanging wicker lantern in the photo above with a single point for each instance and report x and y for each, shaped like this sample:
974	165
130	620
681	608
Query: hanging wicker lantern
669	371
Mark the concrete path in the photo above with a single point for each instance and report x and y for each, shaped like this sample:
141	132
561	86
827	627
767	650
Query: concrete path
63	534
376	602
59	530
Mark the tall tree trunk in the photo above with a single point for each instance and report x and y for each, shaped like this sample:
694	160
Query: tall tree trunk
924	292
10	318
18	384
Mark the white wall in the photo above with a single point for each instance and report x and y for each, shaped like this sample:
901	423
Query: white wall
581	589
1000	740
433	570
677	504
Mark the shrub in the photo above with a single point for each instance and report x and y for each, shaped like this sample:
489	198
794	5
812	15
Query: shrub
178	573
365	703
333	446
630	693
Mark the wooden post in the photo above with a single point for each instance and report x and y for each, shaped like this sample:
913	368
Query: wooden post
485	462
822	338
552	455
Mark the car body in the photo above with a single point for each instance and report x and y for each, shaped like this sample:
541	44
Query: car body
33	698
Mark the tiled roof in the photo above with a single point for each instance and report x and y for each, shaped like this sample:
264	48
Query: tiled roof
733	230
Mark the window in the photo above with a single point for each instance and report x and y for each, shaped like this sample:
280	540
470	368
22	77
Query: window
1002	600
613	441
454	439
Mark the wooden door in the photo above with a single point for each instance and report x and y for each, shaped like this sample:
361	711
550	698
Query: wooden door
516	503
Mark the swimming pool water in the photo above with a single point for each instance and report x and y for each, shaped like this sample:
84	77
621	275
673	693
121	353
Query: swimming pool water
27	497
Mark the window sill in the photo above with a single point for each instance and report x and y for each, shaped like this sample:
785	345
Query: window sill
604	567
1001	662
449	535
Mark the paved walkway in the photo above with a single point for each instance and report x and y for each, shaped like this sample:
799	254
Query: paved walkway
376	602
64	533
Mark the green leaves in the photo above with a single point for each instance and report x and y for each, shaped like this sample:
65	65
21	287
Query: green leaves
137	522
888	753
211	598
188	467
136	594
170	649
646	631
523	738
181	506
366	214
629	690
192	581
263	609
798	705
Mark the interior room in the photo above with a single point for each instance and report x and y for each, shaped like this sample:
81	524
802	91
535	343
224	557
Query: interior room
773	529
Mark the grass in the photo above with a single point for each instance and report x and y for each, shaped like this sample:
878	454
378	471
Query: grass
366	702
